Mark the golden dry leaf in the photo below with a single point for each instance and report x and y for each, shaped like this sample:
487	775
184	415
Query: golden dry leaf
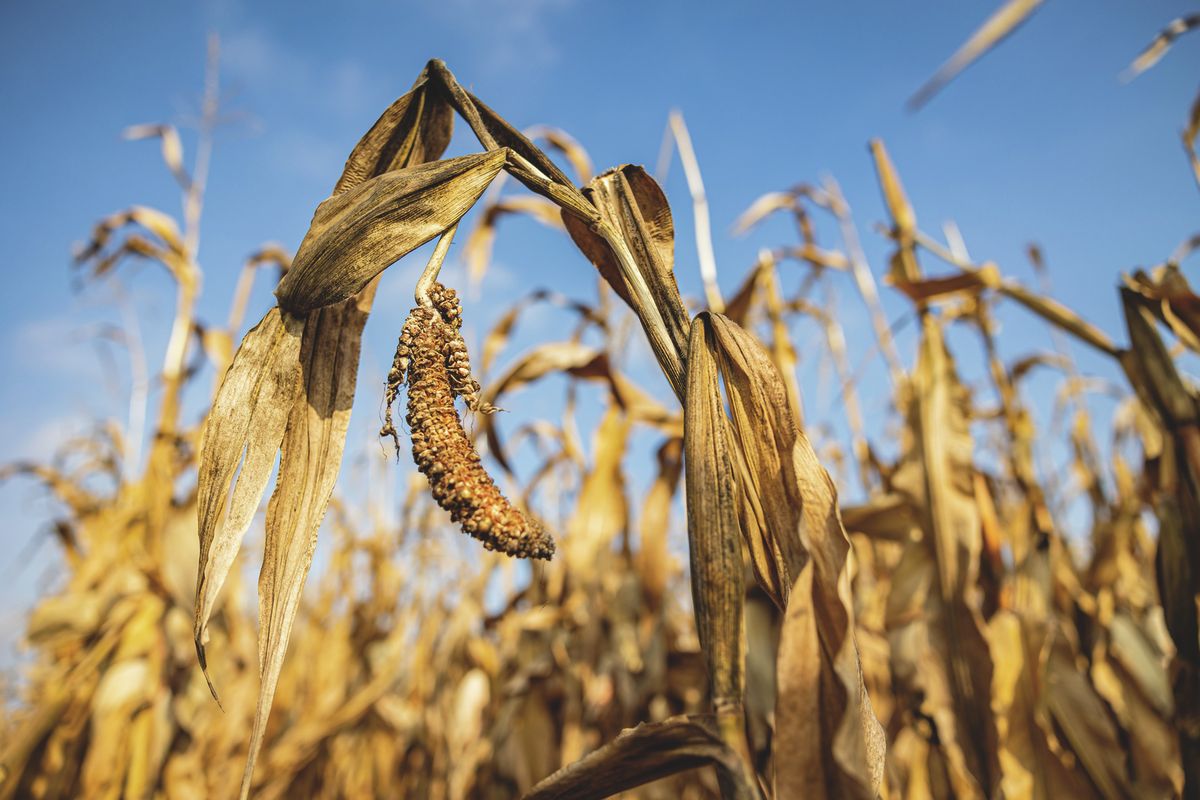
242	435
497	338
310	459
1003	22
765	432
602	510
317	407
718	593
839	752
941	661
566	144
642	754
357	234
639	262
415	129
567	357
1030	758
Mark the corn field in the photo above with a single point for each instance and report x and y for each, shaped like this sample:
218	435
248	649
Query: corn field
965	626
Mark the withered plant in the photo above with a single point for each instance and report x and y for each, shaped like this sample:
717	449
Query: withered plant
942	637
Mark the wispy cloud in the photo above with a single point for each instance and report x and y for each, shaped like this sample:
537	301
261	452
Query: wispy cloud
252	57
510	34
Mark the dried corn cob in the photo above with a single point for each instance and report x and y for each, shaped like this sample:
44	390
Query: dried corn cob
431	357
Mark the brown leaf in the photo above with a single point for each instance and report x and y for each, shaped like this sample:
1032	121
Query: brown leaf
309	464
718	594
940	656
645	753
241	435
765	429
357	234
415	129
641	269
839	752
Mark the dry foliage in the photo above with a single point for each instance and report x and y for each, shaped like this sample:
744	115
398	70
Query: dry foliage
942	637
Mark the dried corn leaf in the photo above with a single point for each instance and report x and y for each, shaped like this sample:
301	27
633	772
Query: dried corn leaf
1030	760
602	510
357	234
1160	388
1151	369
242	435
718	593
640	264
645	753
840	751
309	464
566	144
415	129
941	661
762	208
319	408
1085	722
1003	22
766	434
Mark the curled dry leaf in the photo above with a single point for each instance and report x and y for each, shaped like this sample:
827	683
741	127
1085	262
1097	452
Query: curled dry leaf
639	262
357	234
644	753
317	410
840	752
718	594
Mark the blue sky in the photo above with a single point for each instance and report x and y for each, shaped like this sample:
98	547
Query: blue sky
1039	141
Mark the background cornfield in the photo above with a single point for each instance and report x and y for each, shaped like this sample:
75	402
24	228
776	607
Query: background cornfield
941	634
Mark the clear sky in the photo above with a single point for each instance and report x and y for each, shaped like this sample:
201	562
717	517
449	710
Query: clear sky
1039	141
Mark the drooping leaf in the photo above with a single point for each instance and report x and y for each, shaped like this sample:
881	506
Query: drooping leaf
415	129
309	464
718	593
641	267
642	754
357	234
242	435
